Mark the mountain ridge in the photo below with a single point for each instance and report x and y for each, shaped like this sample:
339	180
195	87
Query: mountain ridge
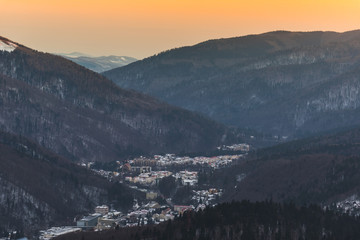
255	81
99	64
84	116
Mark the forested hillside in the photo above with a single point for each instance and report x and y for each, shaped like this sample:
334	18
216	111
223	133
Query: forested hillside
322	170
284	83
39	188
83	116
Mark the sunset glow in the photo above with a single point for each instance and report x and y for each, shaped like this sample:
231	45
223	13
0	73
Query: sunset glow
140	28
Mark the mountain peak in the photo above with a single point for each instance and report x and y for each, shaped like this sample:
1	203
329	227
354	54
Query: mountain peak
73	54
7	45
99	64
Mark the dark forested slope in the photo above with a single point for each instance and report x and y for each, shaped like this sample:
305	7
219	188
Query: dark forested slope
83	116
322	170
285	83
39	188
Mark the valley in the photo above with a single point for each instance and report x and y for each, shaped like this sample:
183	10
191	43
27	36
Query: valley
167	186
266	147
320	170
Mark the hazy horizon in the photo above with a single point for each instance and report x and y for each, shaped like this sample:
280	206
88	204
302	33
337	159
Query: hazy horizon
141	28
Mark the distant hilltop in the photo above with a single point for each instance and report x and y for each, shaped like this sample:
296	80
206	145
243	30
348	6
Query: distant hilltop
98	64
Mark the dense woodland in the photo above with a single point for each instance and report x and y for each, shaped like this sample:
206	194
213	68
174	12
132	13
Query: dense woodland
39	188
283	83
242	220
83	116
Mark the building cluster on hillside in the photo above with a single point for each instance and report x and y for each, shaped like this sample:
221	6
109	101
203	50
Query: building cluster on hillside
213	162
148	178
150	212
145	167
216	162
349	206
206	197
187	178
104	219
141	171
243	147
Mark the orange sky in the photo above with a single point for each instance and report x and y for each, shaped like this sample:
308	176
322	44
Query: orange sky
141	28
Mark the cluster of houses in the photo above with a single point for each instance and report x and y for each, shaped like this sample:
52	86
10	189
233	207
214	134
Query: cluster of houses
148	213
148	178
145	167
213	162
141	171
206	197
187	178
243	147
143	164
104	219
349	206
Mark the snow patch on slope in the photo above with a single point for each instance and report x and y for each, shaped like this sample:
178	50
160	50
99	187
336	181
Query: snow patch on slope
7	46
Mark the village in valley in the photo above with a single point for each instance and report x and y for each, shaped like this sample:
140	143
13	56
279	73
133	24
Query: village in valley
169	184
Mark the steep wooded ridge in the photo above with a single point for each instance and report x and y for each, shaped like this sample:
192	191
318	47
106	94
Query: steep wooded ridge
321	170
241	221
83	116
39	188
288	83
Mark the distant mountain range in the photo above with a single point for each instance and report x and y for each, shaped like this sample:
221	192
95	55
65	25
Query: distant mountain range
83	116
98	64
283	83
